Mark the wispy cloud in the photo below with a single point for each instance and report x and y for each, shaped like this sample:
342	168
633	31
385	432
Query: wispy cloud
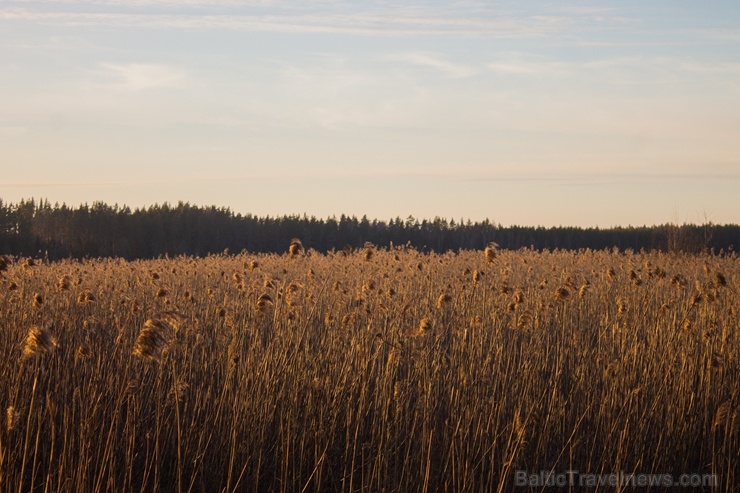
709	68
435	62
638	69
140	76
529	64
402	21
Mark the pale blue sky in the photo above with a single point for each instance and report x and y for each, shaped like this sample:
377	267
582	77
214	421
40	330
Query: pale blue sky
531	113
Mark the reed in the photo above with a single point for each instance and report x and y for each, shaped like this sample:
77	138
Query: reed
393	371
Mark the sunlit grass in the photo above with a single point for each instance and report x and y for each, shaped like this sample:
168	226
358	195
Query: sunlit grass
373	370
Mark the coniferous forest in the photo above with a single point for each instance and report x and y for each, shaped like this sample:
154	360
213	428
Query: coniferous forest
38	228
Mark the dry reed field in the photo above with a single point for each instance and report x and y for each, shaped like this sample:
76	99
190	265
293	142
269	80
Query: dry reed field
379	370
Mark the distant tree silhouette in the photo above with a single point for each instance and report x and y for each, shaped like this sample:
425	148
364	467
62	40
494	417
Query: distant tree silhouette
36	228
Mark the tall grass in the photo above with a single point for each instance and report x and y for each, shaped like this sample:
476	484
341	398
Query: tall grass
374	370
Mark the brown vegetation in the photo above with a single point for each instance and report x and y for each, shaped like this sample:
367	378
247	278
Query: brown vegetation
372	370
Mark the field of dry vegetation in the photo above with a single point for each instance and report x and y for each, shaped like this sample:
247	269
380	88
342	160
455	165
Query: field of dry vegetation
374	370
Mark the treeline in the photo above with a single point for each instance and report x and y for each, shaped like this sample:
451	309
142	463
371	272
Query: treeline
37	228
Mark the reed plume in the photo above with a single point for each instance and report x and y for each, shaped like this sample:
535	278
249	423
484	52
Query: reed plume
425	326
725	416
490	252
264	302
443	300
562	293
295	248
38	341
85	297
12	419
368	251
63	283
621	306
153	339
525	320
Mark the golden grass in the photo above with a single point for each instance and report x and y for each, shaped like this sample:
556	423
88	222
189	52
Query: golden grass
356	371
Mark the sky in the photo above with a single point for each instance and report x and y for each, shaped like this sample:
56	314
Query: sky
572	113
